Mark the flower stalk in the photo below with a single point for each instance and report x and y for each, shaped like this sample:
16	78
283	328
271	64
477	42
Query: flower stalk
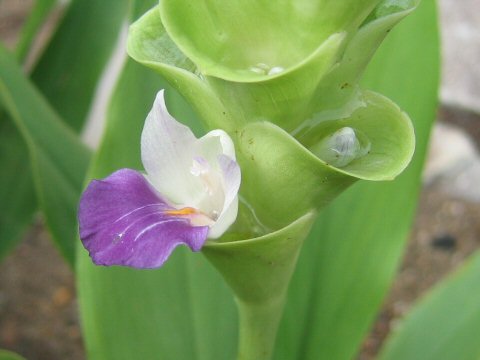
258	325
259	271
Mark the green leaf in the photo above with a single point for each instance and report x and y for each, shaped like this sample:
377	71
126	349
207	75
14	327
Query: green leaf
58	159
17	195
350	258
445	324
8	355
71	65
68	74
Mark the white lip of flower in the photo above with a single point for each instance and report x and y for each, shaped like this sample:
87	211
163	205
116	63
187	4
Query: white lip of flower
200	177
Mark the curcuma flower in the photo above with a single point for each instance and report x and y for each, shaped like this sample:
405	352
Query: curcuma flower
189	194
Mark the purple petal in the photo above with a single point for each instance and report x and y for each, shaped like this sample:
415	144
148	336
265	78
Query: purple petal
123	221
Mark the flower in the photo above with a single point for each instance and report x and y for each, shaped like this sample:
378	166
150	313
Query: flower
189	194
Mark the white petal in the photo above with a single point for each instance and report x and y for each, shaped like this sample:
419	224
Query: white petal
211	148
226	142
231	183
167	152
199	173
226	219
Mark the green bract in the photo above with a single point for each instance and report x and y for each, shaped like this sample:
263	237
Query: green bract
279	120
282	79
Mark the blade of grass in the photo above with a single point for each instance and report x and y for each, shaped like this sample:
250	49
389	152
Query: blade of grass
17	204
17	195
58	159
68	71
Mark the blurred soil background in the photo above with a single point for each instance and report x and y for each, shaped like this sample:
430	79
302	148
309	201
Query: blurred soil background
38	307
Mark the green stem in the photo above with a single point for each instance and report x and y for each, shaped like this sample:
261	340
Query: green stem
259	271
258	328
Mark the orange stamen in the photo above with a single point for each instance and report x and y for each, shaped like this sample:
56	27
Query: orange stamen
184	211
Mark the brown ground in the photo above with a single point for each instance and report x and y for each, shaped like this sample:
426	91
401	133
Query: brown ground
38	310
12	15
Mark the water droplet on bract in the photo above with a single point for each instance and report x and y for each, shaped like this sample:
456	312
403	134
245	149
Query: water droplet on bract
275	70
342	147
256	70
264	69
260	69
